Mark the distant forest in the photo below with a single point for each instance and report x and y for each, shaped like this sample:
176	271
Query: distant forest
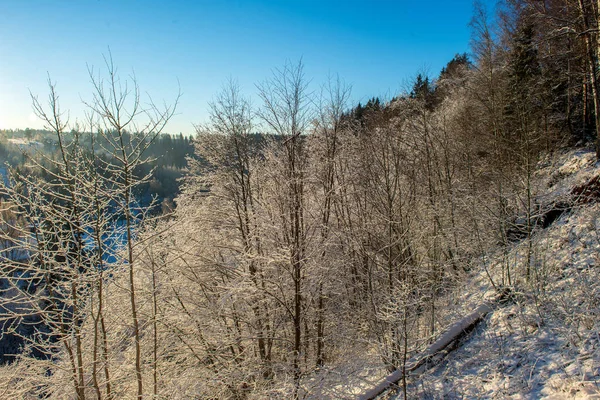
168	159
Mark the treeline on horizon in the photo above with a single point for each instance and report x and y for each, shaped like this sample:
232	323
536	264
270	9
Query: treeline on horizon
167	158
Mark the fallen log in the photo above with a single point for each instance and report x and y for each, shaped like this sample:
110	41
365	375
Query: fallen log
454	333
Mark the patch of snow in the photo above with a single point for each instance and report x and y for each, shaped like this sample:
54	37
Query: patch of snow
545	342
21	142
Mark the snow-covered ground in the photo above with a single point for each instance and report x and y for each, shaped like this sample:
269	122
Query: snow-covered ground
25	143
545	341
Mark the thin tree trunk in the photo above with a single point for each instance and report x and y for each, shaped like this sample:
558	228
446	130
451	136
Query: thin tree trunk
591	54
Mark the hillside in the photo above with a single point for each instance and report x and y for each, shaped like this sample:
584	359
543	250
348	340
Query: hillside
542	340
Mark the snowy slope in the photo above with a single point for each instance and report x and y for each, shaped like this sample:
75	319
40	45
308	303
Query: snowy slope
545	341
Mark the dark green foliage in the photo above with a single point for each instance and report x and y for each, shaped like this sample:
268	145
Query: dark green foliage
456	67
422	88
523	65
168	155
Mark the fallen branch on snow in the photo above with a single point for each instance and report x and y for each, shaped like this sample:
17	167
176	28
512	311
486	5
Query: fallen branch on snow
415	364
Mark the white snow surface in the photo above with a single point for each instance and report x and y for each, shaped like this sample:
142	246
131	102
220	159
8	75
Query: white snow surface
545	342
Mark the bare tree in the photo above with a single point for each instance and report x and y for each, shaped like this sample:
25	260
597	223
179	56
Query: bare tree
128	129
54	199
332	105
286	113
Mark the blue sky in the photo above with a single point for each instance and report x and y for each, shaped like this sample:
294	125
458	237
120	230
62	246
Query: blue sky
376	46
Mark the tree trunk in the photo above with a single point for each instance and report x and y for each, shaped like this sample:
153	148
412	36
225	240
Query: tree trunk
592	61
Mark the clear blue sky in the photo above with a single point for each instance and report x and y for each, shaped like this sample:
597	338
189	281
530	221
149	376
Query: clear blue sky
376	46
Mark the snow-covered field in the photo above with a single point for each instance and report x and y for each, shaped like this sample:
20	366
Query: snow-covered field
544	342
